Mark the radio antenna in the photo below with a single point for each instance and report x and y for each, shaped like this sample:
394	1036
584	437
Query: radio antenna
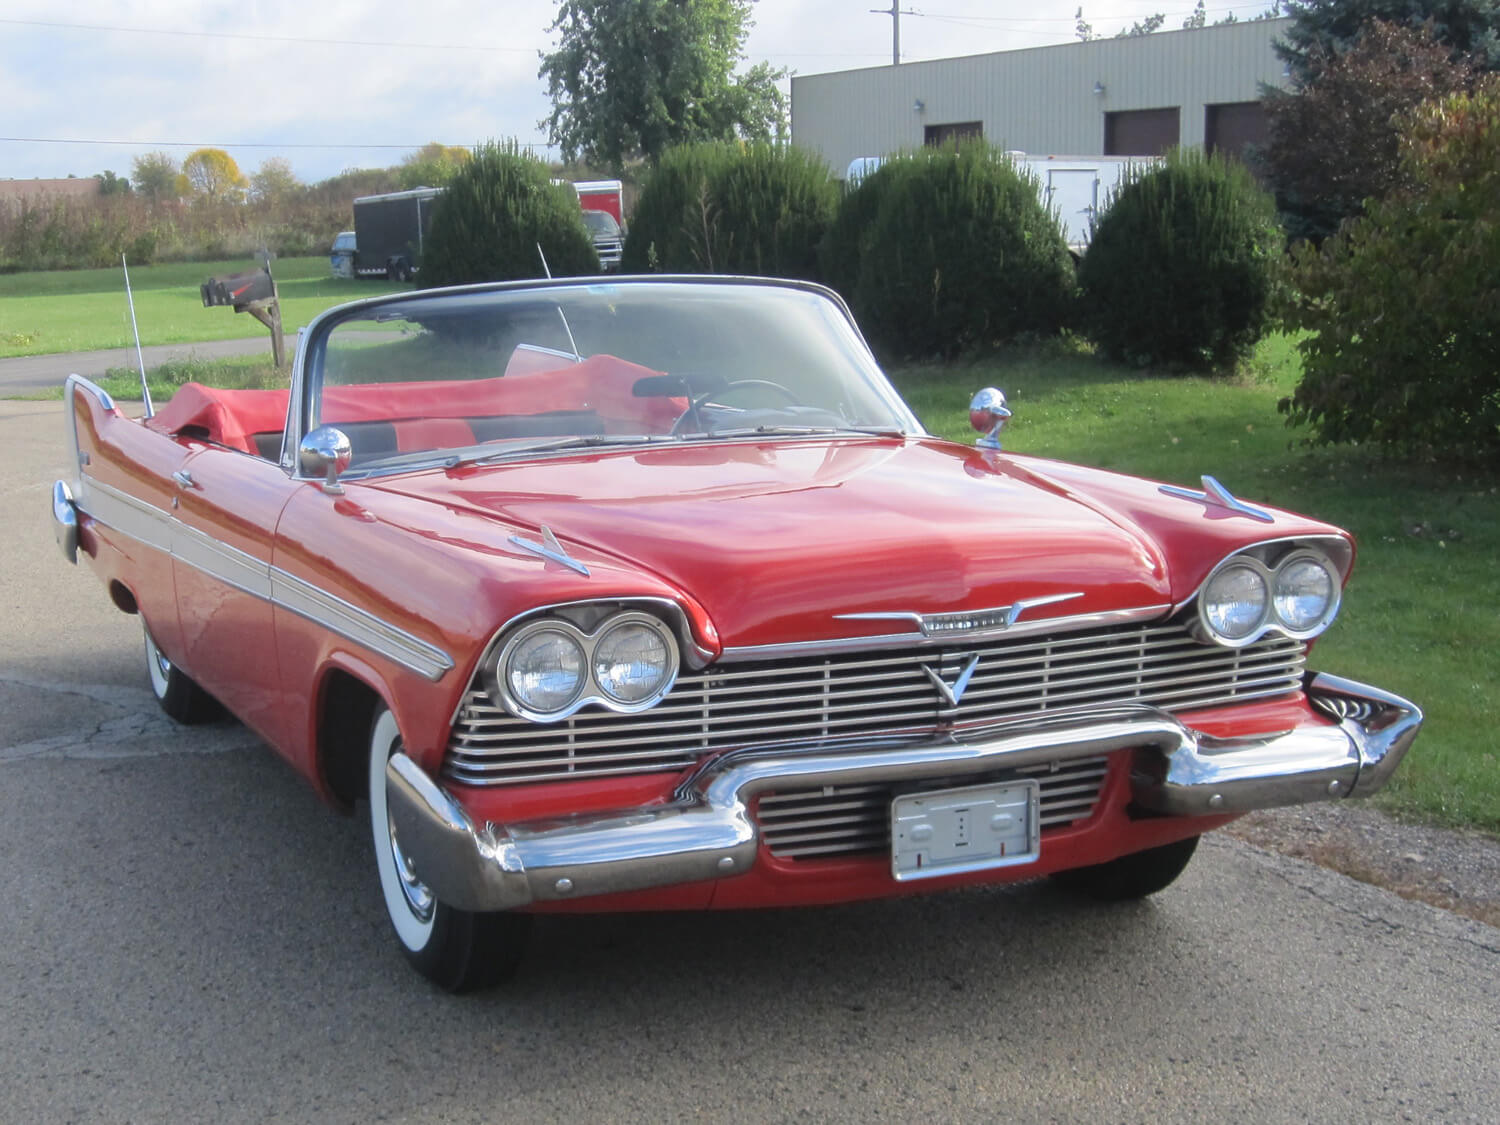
140	359
545	268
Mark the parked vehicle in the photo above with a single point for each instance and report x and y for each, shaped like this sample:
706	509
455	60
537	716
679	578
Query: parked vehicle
603	206
341	255
390	231
652	593
1074	188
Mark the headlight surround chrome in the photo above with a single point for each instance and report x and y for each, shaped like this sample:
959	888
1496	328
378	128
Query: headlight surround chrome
549	668
1243	599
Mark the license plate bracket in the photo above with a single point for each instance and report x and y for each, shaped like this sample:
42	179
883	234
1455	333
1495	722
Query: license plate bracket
971	828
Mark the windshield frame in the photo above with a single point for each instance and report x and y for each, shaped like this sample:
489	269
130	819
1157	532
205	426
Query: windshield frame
307	370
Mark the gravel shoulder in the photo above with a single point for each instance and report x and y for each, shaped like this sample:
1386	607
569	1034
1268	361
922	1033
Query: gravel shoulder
1454	870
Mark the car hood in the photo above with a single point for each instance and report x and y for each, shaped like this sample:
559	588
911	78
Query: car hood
783	541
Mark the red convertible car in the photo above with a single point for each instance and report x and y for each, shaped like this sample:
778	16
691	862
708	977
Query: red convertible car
651	593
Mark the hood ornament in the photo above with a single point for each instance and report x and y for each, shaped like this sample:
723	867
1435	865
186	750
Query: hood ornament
550	548
955	691
988	414
1215	495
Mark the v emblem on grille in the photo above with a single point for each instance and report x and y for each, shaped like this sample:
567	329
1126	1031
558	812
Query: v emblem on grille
955	691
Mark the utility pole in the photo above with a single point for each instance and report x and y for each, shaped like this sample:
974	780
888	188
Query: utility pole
895	12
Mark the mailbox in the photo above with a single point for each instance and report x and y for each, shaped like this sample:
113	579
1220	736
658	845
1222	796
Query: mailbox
238	289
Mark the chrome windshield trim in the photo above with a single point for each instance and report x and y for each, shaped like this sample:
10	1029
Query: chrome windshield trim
1215	495
835	645
150	525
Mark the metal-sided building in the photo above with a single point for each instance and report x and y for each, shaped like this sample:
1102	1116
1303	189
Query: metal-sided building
1134	96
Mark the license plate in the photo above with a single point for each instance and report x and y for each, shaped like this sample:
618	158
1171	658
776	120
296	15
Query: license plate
949	831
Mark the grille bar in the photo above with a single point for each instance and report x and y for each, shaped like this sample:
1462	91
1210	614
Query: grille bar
819	698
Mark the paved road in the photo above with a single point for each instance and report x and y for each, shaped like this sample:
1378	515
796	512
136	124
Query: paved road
33	373
187	935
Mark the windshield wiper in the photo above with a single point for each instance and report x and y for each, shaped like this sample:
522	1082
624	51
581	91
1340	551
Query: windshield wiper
798	431
583	441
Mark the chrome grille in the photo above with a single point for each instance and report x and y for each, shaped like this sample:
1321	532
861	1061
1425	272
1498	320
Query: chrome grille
818	699
856	819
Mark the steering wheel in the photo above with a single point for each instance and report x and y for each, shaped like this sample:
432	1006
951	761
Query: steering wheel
695	403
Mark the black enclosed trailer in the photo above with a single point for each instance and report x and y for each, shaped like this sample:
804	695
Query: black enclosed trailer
389	232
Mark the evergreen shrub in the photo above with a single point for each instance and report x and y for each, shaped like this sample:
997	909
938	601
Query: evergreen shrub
1183	265
727	208
496	210
944	250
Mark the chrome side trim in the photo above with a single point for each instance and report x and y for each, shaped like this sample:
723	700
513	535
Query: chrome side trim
907	640
550	548
1215	495
155	528
301	597
707	831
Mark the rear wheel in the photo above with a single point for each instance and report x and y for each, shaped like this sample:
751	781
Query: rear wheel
459	950
180	697
1131	876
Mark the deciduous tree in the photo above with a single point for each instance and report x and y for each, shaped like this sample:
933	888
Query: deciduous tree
631	77
1333	145
156	176
274	181
213	174
432	165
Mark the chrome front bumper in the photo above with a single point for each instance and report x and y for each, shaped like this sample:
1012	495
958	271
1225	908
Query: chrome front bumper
707	831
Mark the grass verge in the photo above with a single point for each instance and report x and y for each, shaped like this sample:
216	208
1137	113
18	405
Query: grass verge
86	310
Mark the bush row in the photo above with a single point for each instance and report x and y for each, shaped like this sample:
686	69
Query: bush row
941	251
80	234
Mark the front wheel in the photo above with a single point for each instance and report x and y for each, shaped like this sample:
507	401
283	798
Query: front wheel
459	950
177	694
1131	876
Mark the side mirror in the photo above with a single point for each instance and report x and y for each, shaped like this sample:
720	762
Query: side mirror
988	414
325	451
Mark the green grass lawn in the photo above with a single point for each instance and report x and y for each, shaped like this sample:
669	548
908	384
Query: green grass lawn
1419	615
84	310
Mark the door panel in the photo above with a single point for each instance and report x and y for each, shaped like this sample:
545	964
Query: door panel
228	504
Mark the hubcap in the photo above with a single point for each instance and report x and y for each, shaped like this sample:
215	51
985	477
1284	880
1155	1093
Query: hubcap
419	899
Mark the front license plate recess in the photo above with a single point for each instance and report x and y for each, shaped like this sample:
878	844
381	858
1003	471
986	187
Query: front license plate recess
950	831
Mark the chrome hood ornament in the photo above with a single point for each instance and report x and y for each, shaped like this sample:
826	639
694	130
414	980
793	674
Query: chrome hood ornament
1215	495
550	548
988	414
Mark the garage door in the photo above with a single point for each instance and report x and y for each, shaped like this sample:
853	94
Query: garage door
1233	126
1141	132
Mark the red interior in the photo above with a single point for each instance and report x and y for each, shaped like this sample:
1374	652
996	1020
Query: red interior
431	414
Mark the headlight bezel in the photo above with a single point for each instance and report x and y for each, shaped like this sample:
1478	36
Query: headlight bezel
1270	620
496	668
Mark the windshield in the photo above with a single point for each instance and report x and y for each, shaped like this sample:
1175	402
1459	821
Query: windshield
601	222
494	374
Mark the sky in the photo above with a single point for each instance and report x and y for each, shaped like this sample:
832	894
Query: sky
88	85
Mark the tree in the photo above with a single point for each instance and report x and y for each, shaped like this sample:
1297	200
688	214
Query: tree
213	174
432	165
111	184
1142	27
1083	31
156	176
1322	30
629	78
1401	328
1333	145
274	181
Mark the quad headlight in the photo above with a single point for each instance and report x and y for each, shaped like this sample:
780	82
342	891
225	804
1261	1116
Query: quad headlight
1244	598
548	668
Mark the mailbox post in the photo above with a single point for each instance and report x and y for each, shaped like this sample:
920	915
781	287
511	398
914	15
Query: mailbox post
254	292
